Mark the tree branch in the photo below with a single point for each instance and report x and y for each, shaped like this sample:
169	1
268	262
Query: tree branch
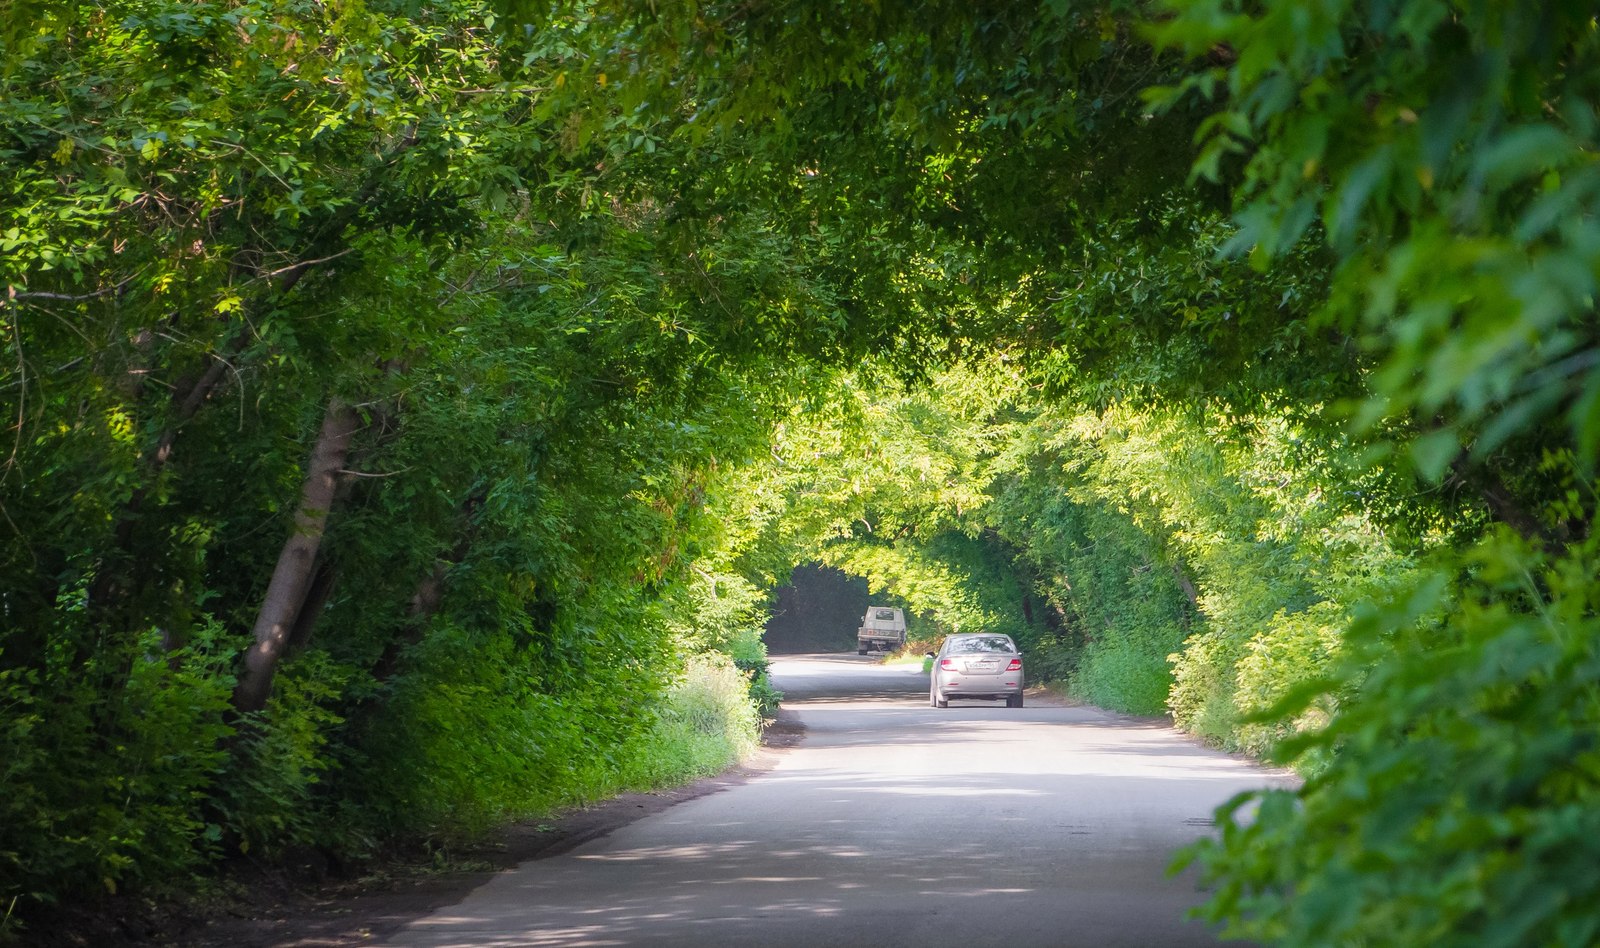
13	293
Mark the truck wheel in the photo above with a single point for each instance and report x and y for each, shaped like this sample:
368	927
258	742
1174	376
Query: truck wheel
862	650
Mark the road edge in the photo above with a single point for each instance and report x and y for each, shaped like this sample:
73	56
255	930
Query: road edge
366	912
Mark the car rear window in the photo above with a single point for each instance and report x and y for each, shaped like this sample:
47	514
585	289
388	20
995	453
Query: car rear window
983	643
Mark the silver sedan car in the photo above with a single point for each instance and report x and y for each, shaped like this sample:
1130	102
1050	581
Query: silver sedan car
980	665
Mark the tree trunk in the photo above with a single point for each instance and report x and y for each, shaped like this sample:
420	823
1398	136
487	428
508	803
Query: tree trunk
291	579
323	580
1190	592
112	583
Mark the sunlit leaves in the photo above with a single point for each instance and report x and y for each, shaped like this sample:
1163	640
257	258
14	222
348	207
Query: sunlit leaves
1449	156
216	218
1454	798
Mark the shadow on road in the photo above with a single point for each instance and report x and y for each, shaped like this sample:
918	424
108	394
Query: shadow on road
934	860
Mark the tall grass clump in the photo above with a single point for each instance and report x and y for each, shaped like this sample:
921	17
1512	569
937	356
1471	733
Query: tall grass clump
706	722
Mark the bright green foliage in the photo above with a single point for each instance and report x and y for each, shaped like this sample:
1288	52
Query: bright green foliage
1120	610
1197	561
641	304
706	723
475	733
887	484
953	582
749	654
1457	801
105	789
1413	188
1261	514
1447	151
217	219
1444	153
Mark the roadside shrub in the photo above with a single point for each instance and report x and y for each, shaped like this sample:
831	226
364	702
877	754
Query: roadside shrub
706	722
485	727
749	654
1117	608
748	651
1293	649
266	796
1203	686
1127	673
767	698
101	788
1455	798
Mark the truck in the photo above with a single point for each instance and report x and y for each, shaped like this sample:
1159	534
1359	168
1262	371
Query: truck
882	628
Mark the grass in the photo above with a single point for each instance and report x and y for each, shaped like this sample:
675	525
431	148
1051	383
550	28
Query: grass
708	724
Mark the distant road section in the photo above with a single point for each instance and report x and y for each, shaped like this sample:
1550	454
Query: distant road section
892	824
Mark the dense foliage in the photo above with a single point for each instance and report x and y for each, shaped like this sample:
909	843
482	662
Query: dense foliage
410	408
1330	439
320	327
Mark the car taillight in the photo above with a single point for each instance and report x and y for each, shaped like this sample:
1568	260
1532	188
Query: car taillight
947	665
1015	666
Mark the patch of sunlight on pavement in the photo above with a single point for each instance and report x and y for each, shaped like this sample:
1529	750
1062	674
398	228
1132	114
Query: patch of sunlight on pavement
585	936
699	851
985	792
954	894
849	852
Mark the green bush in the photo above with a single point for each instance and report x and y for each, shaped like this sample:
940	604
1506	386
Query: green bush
749	654
266	795
767	698
107	789
1123	674
484	726
1455	797
706	723
747	650
1204	682
1120	611
1291	650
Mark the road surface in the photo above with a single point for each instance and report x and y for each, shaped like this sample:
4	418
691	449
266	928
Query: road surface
892	823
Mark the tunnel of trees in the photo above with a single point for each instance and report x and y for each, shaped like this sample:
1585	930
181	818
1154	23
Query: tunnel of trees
411	407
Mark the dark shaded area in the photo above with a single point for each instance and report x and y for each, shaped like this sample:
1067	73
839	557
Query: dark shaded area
268	908
819	611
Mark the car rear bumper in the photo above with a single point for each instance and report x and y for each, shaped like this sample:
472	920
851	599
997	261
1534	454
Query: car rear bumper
981	686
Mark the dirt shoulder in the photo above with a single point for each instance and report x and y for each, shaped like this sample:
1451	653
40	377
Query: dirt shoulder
271	912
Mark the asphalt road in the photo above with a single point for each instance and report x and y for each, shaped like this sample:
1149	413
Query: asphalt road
892	823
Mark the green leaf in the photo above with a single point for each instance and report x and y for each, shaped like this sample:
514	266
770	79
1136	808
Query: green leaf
1433	453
